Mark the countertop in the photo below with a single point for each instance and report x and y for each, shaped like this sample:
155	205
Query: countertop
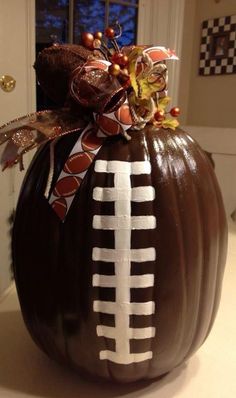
211	373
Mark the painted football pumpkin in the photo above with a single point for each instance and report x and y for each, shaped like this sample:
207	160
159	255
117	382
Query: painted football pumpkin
128	286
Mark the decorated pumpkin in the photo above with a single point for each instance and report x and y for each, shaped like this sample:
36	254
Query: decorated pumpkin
120	235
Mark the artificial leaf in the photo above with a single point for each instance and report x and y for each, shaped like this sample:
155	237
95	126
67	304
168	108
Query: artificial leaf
147	89
133	82
163	102
135	53
170	124
133	56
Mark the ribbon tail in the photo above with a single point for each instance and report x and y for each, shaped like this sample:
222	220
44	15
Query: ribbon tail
83	153
31	131
51	168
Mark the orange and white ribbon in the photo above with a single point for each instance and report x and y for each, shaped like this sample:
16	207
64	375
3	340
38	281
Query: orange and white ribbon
82	155
91	139
30	131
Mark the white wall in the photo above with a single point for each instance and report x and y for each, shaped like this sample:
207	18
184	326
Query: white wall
17	48
160	23
204	100
221	143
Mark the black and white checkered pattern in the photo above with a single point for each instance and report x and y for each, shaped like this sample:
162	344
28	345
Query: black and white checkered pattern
218	65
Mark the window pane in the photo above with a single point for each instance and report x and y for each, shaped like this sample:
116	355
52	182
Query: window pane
127	17
89	16
135	2
51	19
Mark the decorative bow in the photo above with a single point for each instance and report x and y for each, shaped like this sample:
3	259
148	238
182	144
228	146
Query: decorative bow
120	101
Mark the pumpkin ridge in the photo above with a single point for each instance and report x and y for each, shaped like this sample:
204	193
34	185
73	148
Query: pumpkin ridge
148	142
160	138
195	343
61	315
98	315
175	185
219	269
30	325
213	183
200	262
206	269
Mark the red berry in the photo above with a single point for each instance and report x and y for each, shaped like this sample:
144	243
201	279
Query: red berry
98	35
120	59
125	72
175	111
87	39
114	69
124	60
110	33
159	116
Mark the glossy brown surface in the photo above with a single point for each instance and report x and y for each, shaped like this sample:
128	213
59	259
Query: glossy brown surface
53	261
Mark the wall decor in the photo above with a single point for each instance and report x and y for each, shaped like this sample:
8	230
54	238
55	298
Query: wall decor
218	46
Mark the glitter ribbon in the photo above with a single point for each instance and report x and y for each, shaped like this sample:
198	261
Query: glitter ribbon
25	133
91	86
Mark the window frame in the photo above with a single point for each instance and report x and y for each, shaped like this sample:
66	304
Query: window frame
107	5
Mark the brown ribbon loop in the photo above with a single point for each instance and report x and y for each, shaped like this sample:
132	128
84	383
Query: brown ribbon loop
93	87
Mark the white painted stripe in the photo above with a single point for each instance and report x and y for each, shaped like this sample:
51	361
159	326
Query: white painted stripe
142	255
138	194
142	194
143	222
109	307
119	255
106	331
133	281
133	333
142	333
125	359
117	166
123	222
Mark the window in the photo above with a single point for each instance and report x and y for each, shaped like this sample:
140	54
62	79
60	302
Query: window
64	20
96	15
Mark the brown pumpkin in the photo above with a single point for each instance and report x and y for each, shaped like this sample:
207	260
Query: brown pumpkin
128	287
